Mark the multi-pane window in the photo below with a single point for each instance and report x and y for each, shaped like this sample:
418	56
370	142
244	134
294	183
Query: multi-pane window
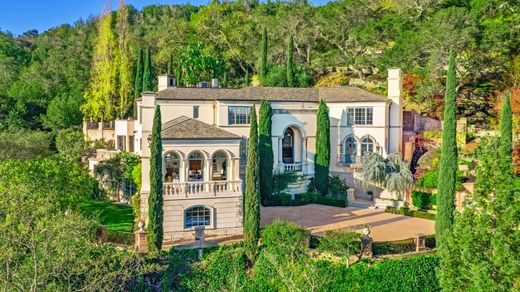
238	115
197	216
360	116
367	145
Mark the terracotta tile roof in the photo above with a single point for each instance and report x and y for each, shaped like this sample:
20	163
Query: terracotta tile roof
330	94
184	128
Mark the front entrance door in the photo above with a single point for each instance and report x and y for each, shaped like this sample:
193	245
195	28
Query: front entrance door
288	146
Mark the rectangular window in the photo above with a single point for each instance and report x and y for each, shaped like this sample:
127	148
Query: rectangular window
360	116
196	112
238	115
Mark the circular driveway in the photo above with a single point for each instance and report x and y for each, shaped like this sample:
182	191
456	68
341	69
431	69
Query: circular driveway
320	218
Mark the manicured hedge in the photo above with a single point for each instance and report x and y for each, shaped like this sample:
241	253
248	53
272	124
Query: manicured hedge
304	199
393	247
411	213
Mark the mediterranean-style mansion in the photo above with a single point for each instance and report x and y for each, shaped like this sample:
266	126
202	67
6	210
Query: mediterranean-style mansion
205	131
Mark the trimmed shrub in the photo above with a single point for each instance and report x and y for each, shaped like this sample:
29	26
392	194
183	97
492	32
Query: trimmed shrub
411	213
420	214
331	202
393	247
421	200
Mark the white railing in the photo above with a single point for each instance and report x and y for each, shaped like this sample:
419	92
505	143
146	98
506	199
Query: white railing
203	187
288	167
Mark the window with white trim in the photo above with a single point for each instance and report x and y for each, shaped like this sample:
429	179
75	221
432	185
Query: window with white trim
367	145
197	216
360	116
238	115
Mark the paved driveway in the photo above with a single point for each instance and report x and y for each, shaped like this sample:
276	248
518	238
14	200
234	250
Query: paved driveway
319	218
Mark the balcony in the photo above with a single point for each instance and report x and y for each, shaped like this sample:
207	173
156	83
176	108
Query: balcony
290	167
214	188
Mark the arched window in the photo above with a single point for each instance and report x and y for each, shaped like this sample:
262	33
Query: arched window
171	167
197	216
350	150
288	146
196	166
219	166
367	145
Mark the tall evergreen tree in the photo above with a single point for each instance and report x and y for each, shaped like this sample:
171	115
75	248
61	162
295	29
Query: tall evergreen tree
322	159
266	152
291	68
263	54
178	75
101	96
246	78
138	81
484	244
506	129
155	198
124	62
252	194
449	159
170	65
148	72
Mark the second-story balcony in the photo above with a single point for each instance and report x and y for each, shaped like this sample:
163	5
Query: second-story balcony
201	188
290	167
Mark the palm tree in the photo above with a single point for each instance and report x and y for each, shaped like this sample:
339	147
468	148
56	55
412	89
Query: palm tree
391	172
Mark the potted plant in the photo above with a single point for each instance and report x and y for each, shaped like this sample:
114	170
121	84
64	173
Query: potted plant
370	195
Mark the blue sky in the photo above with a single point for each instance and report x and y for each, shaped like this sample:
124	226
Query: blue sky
19	16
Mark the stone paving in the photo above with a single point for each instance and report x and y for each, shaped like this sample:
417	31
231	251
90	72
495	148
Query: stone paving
319	218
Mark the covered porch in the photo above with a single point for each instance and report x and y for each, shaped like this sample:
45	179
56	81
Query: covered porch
199	159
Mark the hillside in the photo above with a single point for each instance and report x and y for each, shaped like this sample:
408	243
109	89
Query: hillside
44	76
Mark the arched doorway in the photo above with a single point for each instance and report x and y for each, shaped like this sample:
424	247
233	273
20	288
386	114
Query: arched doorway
288	146
219	166
171	167
196	166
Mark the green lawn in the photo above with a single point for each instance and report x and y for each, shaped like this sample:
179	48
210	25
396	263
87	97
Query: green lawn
115	217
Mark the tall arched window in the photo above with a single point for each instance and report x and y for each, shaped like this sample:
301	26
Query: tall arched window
367	145
350	150
171	167
196	166
197	216
288	146
219	166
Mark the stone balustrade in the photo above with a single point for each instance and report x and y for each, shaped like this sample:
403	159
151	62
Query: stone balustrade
290	167
203	187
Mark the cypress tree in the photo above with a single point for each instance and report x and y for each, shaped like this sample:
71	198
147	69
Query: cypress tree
138	81
170	65
449	159
322	159
178	75
263	54
246	78
252	194
291	78
266	152
506	130
155	198
148	74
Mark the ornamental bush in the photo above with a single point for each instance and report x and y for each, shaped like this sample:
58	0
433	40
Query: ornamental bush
421	200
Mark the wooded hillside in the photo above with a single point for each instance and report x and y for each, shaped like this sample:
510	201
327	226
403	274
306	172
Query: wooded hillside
44	76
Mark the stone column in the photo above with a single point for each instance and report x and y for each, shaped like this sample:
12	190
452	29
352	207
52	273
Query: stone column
279	150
